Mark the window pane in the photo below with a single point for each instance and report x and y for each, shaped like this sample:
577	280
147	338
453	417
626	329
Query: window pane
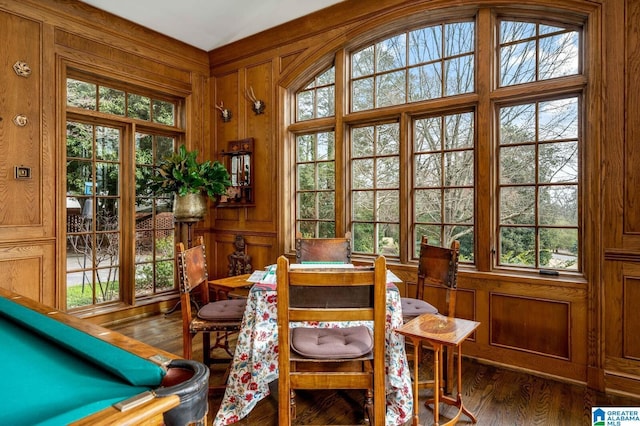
517	124
164	112
459	130
363	238
517	205
388	206
425	82
362	174
326	176
425	45
326	101
517	246
362	94
79	140
428	134
558	119
513	31
388	239
561	248
388	139
459	38
458	74
306	205
518	164
362	202
532	52
107	143
326	205
326	229
362	142
362	62
305	101
558	163
305	148
559	205
306	176
458	205
428	206
391	53
139	107
81	94
517	63
326	146
111	101
390	89
458	168
427	170
388	172
559	55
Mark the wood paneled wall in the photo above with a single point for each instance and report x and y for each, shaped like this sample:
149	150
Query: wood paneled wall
51	37
581	329
577	329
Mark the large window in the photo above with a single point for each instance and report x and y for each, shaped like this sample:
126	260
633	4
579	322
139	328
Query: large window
440	139
120	237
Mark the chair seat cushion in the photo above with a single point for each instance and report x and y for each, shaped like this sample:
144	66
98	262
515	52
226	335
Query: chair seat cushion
223	310
325	343
414	307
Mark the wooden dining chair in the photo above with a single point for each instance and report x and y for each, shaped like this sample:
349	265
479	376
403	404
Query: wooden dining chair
323	249
437	270
221	317
331	358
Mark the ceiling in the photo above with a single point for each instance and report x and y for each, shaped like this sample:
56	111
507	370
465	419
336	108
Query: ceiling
208	24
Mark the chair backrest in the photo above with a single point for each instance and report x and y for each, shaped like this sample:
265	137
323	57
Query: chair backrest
332	294
192	273
438	266
323	249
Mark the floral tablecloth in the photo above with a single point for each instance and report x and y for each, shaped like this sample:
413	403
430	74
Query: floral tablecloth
255	363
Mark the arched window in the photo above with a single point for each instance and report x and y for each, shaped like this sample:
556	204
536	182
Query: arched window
440	138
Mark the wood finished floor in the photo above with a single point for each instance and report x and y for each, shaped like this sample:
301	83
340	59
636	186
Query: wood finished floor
497	396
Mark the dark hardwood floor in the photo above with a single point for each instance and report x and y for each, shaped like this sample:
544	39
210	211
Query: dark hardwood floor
497	396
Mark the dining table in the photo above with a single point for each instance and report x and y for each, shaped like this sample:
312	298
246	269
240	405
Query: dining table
255	362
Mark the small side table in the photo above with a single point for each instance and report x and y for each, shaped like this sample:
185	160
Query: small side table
224	286
439	331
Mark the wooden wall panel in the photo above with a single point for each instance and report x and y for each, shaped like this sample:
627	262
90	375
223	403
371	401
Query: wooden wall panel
534	325
632	108
261	128
20	199
631	318
27	270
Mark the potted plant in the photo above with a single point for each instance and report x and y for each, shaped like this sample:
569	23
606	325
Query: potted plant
191	181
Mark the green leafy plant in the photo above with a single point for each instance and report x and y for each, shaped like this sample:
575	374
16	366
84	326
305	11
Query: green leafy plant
181	173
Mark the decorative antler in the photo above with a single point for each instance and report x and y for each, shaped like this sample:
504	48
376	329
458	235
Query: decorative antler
225	114
257	106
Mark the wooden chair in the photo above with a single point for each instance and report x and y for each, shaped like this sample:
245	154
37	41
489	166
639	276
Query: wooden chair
221	317
323	249
437	267
331	358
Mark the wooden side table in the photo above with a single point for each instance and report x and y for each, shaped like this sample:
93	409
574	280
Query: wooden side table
439	331
226	285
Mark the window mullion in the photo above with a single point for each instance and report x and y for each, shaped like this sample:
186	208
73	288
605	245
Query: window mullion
485	179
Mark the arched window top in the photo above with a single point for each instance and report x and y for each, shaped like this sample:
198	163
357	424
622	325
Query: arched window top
426	63
317	99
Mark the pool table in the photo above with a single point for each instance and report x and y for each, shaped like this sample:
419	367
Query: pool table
58	369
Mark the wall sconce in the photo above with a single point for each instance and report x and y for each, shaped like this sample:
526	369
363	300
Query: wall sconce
257	105
225	114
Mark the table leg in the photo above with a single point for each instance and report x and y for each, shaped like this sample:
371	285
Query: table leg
416	347
437	349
